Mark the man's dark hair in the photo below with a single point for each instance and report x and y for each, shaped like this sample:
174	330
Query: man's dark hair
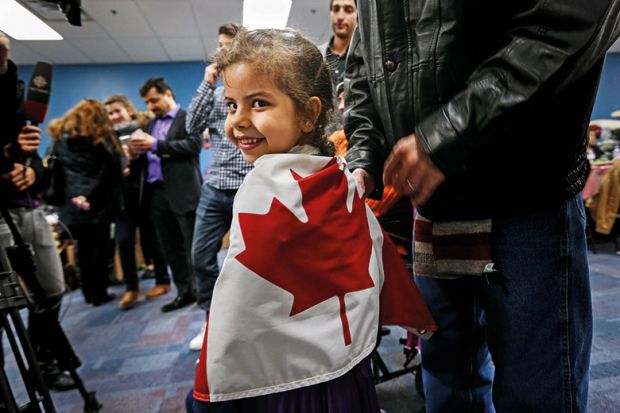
229	29
159	83
331	3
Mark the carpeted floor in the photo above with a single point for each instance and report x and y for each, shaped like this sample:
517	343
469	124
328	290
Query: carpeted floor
138	360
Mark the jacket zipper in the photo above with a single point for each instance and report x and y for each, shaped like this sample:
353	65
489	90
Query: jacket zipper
406	13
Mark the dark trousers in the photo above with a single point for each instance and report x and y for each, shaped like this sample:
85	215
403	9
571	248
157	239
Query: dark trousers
541	286
38	330
126	225
175	233
93	243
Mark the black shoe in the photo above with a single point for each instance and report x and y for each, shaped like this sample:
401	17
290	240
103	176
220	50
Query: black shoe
61	382
179	302
103	299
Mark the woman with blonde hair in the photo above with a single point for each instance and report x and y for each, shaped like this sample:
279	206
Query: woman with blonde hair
90	155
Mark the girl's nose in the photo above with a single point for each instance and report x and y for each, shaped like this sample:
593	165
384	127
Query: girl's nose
241	121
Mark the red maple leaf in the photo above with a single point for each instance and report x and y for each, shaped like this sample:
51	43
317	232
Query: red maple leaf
328	256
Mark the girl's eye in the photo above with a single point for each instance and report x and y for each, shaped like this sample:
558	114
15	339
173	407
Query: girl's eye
259	103
231	106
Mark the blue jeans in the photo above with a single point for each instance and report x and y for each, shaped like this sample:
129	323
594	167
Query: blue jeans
534	314
213	218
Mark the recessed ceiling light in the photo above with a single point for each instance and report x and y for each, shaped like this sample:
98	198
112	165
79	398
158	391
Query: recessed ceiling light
266	14
19	23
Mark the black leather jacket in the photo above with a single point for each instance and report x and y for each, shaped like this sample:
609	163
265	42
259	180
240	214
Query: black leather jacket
499	93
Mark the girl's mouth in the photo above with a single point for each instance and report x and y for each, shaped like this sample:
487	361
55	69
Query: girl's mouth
246	143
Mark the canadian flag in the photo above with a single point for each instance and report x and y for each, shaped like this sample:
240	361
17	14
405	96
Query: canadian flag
308	279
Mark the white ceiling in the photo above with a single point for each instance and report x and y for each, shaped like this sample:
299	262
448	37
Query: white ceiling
132	31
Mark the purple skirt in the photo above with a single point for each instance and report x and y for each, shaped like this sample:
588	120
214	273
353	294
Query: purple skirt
352	393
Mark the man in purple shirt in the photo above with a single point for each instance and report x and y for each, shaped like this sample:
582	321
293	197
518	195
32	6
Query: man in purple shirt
173	183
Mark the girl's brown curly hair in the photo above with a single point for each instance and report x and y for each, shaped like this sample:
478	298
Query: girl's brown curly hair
294	64
88	119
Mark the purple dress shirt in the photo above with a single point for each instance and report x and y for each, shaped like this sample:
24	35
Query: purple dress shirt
160	129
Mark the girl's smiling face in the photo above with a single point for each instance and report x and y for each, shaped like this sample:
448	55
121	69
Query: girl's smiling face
262	119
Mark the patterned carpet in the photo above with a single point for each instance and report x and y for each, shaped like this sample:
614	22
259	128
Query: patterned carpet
138	360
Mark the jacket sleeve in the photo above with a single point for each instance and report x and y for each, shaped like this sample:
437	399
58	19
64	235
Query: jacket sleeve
547	38
105	188
186	146
34	161
200	109
367	144
11	116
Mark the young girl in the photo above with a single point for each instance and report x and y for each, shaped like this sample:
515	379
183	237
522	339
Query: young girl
295	310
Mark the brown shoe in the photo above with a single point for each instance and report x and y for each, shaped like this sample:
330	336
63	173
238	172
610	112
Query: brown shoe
159	289
128	300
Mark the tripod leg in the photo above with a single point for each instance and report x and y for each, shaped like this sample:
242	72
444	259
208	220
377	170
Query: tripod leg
10	405
35	374
91	404
26	376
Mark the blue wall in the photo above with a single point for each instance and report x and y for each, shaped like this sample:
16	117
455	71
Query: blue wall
74	82
71	83
608	97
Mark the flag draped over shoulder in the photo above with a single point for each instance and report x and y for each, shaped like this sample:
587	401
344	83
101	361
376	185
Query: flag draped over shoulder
307	281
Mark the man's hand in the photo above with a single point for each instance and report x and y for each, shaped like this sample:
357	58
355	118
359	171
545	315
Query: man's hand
129	153
411	172
211	74
29	138
5	47
141	143
365	181
21	176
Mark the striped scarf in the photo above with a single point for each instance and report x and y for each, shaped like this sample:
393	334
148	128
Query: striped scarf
452	249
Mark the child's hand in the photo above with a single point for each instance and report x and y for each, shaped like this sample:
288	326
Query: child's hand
211	74
365	181
81	202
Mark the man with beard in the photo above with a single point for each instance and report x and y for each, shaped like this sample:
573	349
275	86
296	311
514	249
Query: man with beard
344	20
174	178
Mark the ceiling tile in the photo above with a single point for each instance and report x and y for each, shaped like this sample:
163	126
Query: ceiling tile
59	51
143	49
169	18
127	21
88	29
102	50
227	11
184	48
187	28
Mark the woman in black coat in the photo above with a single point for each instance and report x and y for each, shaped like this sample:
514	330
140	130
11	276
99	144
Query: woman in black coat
90	154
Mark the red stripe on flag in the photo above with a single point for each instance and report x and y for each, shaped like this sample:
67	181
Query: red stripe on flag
345	321
401	303
201	383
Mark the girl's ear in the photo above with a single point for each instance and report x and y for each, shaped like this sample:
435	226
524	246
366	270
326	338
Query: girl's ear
313	111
